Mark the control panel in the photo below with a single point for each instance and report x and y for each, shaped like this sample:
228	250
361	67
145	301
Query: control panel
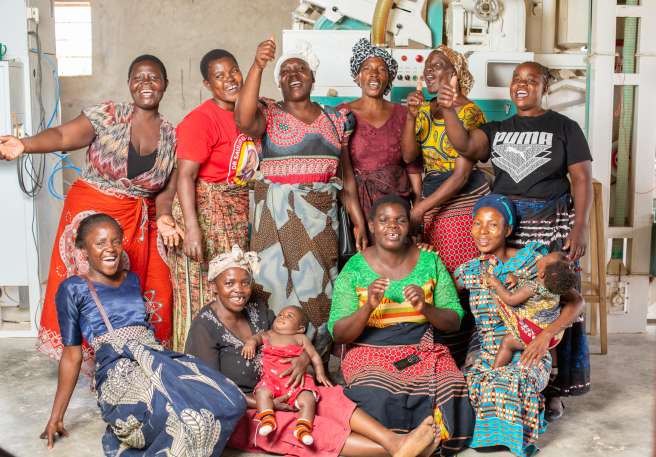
411	65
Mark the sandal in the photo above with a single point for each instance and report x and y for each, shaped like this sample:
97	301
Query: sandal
267	421
303	431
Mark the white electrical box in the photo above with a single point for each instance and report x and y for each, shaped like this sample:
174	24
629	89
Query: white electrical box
14	239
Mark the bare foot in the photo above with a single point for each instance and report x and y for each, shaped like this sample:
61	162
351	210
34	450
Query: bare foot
422	441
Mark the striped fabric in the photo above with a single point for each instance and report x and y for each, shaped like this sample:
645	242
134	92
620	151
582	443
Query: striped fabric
390	312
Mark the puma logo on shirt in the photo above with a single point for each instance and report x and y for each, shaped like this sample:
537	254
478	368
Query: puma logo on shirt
521	153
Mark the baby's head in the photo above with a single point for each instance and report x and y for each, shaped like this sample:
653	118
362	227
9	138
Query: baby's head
555	273
290	320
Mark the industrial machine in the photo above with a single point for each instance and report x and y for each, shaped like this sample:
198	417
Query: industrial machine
496	35
28	103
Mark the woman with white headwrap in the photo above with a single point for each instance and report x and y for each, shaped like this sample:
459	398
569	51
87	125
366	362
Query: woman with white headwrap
294	231
217	338
383	131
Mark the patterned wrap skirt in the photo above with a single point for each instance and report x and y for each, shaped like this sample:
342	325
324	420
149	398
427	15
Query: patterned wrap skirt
375	184
143	253
158	402
295	235
222	212
448	227
549	222
401	399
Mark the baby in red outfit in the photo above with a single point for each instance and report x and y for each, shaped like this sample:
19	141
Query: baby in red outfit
285	340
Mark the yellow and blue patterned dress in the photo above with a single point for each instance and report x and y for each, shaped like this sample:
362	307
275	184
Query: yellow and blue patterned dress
508	401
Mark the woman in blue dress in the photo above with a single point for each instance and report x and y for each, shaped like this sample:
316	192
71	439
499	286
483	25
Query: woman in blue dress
154	401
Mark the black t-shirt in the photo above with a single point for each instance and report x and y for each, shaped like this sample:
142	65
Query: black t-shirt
530	155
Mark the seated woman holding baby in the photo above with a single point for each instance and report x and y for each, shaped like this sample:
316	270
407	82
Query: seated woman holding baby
267	357
388	301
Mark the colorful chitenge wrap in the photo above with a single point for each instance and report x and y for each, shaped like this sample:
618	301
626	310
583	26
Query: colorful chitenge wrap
161	402
550	222
508	402
395	371
143	254
222	211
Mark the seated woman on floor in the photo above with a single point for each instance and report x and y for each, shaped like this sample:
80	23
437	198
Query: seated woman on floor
154	401
217	336
509	406
388	300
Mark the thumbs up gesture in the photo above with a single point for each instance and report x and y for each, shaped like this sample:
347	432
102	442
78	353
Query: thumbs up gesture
415	99
448	93
266	52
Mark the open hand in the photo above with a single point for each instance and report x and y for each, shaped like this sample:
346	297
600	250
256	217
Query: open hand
375	292
575	243
360	235
415	295
171	232
53	428
193	244
535	350
446	98
265	53
10	147
296	371
323	379
281	404
249	350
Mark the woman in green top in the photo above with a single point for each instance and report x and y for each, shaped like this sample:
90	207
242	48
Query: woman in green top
388	301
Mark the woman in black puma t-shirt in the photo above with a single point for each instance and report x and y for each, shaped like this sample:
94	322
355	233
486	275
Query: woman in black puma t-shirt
533	154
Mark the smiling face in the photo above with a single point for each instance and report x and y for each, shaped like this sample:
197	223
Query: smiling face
527	87
224	81
103	246
489	230
233	289
289	321
437	71
390	226
373	77
296	80
147	84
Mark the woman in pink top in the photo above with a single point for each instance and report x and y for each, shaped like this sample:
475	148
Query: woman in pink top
383	131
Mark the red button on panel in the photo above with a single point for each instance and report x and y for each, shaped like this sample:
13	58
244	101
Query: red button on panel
404	58
419	58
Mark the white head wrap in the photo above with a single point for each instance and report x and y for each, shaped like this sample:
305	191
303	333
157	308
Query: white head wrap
302	51
236	258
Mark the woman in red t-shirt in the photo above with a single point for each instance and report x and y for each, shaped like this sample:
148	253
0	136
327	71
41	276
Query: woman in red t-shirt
214	162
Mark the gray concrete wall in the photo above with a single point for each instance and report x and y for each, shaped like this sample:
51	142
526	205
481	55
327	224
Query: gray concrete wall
179	32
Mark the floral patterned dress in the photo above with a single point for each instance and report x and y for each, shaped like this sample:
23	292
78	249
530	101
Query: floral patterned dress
155	402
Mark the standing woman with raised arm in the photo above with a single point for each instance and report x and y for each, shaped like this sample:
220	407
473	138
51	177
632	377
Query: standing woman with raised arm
129	174
533	154
452	184
304	146
215	160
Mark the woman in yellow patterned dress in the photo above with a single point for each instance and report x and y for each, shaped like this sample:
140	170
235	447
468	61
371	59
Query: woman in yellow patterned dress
452	184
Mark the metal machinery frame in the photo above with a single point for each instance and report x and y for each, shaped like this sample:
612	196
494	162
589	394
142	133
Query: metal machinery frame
29	223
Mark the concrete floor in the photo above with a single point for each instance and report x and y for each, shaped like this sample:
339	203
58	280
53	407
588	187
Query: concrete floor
614	419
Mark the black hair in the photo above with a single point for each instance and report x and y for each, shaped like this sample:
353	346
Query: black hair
89	223
544	71
305	319
211	56
148	58
559	277
390	199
